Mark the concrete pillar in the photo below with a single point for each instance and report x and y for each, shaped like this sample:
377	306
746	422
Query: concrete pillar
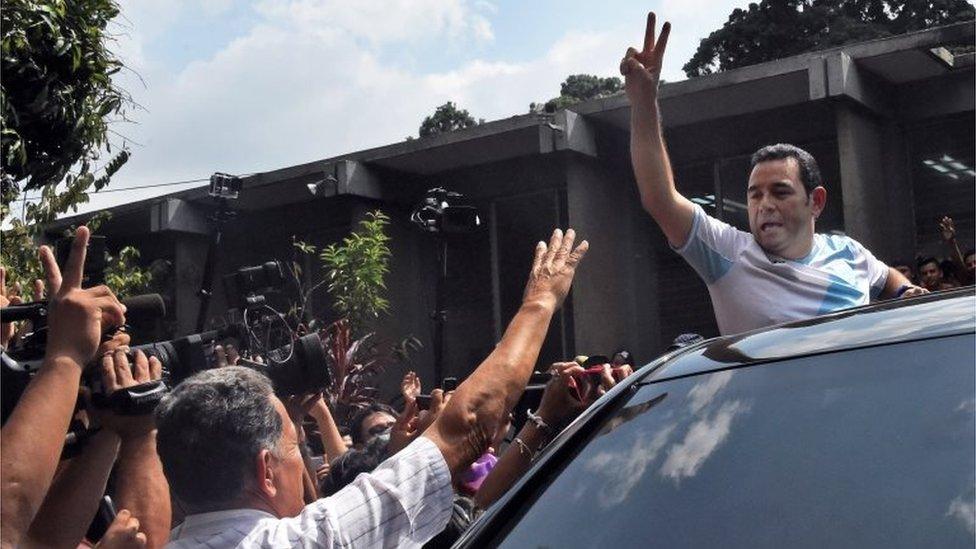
615	290
875	182
190	256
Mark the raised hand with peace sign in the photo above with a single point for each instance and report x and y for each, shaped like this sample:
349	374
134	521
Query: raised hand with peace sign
34	433
642	69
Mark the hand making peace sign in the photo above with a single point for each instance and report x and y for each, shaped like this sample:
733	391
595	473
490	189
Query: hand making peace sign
76	317
642	69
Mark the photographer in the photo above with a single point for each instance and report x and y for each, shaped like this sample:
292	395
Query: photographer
231	453
566	396
141	488
33	435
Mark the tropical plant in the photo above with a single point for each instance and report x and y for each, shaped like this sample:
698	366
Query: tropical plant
355	272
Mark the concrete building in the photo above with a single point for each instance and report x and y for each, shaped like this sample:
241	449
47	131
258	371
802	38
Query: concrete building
891	122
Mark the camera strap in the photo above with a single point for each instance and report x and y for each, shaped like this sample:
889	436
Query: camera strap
137	400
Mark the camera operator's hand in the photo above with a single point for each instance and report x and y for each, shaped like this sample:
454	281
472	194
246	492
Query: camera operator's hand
76	317
553	268
123	533
117	374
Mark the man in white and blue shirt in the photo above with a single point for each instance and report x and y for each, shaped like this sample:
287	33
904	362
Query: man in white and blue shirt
783	270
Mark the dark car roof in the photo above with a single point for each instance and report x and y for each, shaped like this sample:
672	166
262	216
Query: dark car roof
937	315
934	315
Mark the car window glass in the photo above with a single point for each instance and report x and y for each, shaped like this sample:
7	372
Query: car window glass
871	447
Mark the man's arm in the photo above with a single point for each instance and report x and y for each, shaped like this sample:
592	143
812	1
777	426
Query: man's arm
652	168
897	285
464	429
34	433
72	501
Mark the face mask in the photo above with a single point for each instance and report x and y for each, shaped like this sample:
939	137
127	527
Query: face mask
384	435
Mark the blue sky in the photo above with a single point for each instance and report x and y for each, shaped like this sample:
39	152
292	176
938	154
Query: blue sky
240	87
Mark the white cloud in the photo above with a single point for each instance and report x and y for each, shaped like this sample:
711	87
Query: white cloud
382	21
965	512
309	79
704	392
621	472
702	439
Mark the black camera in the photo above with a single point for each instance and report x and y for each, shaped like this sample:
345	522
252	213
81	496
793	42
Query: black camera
445	212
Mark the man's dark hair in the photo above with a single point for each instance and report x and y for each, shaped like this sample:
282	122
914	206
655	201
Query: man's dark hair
356	423
809	170
211	428
927	260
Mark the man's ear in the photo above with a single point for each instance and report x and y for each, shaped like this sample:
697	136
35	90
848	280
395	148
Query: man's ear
265	473
818	197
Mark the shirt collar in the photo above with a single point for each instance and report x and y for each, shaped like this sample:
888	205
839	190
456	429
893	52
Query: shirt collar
215	522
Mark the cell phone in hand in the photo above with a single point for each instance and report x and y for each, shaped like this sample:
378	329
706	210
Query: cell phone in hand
449	384
423	402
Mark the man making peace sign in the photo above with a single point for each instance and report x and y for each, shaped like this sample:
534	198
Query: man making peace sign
783	270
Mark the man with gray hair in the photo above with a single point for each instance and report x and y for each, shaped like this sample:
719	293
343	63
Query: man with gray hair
231	453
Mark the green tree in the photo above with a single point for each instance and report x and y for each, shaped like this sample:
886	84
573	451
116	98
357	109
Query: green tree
447	118
773	29
579	87
57	100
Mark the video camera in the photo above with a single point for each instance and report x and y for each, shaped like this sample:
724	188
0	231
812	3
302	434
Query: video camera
294	364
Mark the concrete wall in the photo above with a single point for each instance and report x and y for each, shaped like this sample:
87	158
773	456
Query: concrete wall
876	186
615	290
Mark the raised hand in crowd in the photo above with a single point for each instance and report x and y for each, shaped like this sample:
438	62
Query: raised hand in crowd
332	442
413	421
963	272
123	533
225	355
464	429
560	404
9	296
410	386
34	433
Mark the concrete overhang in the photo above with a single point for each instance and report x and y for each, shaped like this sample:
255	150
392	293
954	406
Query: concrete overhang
863	72
887	75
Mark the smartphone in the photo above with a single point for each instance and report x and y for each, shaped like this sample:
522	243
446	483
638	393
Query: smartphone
449	384
423	402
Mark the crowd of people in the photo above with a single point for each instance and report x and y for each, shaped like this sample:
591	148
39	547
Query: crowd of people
956	269
224	460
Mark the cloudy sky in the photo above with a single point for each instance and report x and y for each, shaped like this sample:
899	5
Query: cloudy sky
242	87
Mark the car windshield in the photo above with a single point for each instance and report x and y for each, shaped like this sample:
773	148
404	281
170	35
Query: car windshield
872	447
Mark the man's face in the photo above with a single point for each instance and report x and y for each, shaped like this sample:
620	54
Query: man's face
906	271
971	263
375	424
780	212
931	275
287	466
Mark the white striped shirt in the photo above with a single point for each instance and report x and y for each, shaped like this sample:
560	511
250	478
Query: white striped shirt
404	502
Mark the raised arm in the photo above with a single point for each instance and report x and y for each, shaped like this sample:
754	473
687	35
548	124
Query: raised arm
464	429
34	433
652	168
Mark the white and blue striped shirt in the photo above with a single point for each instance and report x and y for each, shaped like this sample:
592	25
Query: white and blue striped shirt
752	289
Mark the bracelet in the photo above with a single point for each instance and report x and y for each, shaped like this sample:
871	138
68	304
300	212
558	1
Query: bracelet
537	420
904	288
523	448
